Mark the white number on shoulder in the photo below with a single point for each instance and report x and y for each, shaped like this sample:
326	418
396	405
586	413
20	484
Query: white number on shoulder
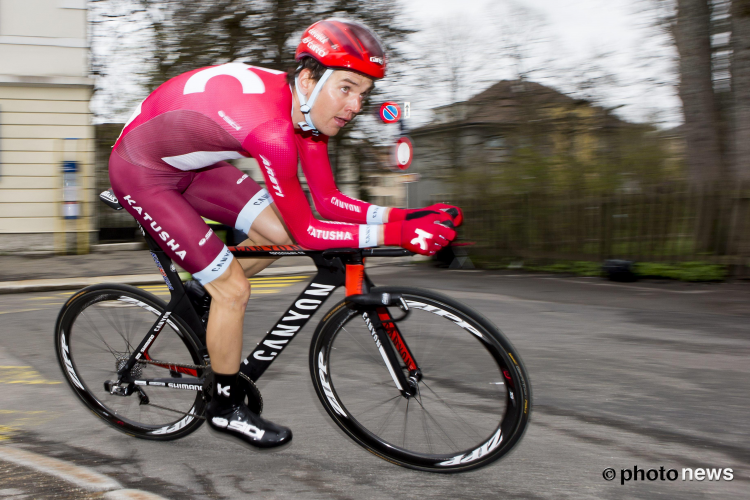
245	74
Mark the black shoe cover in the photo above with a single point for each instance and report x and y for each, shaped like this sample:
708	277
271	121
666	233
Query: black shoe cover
239	422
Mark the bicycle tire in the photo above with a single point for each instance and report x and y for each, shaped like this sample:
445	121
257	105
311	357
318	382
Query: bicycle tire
97	329
346	381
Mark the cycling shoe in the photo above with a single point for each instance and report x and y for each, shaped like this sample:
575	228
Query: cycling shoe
239	422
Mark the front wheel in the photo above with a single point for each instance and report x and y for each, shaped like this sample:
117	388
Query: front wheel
473	396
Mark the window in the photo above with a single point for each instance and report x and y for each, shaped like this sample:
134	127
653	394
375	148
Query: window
495	143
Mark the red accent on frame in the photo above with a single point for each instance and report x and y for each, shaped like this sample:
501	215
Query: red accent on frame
355	278
269	248
179	369
395	336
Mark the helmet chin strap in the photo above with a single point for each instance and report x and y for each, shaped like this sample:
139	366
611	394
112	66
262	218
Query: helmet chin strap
305	105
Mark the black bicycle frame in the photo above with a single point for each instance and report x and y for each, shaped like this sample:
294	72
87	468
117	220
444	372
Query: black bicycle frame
331	274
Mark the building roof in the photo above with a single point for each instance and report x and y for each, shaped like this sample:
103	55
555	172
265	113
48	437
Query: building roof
506	103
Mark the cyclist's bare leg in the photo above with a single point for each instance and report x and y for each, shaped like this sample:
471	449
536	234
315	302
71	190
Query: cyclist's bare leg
267	229
230	293
226	413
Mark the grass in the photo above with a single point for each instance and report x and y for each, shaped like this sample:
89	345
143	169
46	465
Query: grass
684	271
580	268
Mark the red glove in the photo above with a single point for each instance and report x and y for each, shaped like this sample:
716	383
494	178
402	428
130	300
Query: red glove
425	235
399	214
456	214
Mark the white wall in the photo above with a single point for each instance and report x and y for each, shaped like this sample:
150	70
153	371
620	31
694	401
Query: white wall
43	38
44	100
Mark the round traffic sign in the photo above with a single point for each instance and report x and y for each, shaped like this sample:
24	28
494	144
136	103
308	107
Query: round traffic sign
390	112
403	153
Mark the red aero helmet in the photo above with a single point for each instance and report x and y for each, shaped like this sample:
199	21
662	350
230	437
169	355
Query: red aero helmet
340	43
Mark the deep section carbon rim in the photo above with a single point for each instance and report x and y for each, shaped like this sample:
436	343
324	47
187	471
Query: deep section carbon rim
472	404
97	331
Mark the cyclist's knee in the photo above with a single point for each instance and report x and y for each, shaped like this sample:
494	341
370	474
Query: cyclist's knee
269	229
231	288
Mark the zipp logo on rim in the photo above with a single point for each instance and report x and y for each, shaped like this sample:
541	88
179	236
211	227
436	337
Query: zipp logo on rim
323	374
168	429
483	450
69	364
440	312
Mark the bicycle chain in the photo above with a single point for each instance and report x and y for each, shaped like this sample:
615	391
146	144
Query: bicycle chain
178	411
198	367
181	365
176	365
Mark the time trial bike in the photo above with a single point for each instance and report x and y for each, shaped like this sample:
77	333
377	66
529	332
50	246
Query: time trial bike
413	376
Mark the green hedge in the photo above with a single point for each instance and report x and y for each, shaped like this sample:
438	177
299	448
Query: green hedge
685	271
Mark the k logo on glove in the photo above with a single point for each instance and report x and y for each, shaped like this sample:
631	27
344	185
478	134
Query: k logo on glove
421	239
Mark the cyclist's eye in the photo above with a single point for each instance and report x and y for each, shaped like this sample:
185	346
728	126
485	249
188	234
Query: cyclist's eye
345	89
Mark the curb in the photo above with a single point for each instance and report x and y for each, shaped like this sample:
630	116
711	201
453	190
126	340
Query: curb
49	285
137	279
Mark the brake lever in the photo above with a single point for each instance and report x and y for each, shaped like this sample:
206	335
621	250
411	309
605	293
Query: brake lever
447	223
453	211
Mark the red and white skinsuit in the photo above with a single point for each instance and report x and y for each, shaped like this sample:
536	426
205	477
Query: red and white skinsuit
167	167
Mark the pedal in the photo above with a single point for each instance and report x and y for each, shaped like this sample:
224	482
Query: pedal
117	389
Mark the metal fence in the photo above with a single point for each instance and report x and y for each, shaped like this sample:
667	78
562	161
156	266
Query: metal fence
673	223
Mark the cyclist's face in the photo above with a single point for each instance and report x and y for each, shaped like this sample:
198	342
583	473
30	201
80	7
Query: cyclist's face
339	100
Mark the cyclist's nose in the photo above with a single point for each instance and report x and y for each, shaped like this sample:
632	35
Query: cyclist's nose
354	104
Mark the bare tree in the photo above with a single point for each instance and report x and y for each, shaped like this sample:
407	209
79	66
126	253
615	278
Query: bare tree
520	31
740	43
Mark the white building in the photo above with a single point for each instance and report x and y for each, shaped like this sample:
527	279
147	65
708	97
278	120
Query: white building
45	120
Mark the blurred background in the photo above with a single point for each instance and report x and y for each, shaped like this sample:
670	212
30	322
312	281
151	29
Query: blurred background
569	132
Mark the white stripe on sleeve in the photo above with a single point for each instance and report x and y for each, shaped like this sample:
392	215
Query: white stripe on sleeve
375	214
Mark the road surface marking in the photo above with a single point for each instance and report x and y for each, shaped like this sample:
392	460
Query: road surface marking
82	477
6	431
19	311
272	282
23	375
131	495
12	492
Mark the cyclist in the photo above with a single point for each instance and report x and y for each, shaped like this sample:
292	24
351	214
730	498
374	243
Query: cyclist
168	168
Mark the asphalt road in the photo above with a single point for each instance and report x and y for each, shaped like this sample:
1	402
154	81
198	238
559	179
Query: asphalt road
649	375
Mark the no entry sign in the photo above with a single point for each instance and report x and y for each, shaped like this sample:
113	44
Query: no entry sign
403	153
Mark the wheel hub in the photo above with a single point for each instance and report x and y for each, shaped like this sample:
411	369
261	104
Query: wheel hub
121	361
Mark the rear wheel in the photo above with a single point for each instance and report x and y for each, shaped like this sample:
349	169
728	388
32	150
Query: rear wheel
95	334
473	399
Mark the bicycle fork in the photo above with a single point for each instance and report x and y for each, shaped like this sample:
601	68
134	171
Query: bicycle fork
381	325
